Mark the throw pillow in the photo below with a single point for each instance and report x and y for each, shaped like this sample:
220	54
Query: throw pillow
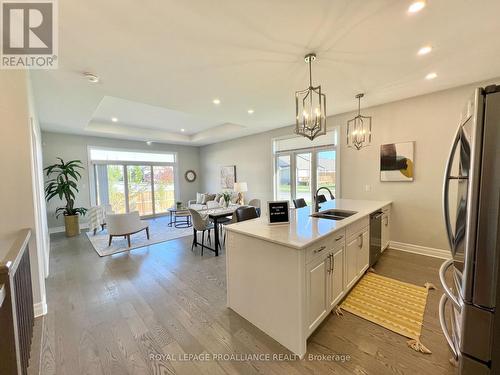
217	197
199	198
209	197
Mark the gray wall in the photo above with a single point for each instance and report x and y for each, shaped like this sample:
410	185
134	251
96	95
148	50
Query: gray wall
429	120
68	146
17	188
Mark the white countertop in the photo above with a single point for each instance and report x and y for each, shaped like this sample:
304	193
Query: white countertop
303	229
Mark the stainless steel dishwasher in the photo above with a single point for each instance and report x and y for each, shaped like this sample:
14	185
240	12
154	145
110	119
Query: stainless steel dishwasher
375	236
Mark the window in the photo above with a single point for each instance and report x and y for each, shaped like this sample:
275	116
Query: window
134	181
302	166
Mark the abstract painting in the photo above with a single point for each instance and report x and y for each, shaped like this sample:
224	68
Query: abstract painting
227	177
397	162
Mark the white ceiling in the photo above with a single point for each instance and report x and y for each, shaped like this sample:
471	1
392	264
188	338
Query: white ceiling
161	63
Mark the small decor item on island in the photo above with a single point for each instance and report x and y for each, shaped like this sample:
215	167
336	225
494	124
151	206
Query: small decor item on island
190	175
278	212
227	197
178	205
63	184
227	176
397	161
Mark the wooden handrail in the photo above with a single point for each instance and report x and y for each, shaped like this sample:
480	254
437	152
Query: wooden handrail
11	260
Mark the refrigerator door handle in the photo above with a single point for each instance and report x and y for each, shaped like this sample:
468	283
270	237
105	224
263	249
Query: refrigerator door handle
442	276
444	326
446	185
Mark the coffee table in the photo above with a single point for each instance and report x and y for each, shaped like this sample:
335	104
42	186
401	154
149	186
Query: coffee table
181	213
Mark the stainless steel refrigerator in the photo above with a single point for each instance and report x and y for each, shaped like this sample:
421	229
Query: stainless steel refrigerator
471	279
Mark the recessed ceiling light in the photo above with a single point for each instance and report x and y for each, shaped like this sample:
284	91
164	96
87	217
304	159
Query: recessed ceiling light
431	76
149	143
424	50
114	119
183	130
250	111
216	101
416	6
91	77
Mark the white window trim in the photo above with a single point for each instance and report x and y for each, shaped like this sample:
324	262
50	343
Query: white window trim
313	150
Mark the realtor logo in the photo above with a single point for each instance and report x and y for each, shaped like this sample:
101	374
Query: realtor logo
29	34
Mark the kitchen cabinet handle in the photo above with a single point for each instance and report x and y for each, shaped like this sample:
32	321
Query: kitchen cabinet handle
386	221
361	240
329	263
332	262
442	276
444	326
339	238
319	250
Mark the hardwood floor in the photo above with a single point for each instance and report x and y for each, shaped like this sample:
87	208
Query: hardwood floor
144	311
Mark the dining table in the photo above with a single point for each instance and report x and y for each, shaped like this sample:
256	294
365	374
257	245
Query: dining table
215	215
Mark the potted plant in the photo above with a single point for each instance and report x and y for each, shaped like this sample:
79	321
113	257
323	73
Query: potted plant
178	205
63	185
227	197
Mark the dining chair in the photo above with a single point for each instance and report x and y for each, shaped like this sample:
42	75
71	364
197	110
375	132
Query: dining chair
245	213
299	203
255	203
200	223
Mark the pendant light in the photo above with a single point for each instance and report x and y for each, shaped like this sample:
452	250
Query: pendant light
310	107
359	129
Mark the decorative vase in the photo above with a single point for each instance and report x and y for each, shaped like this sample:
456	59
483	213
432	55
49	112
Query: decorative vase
226	203
179	205
72	225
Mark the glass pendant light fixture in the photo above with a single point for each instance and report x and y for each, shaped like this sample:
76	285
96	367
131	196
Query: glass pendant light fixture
310	107
359	129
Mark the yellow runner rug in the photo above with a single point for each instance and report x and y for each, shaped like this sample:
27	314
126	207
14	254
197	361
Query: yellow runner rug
392	304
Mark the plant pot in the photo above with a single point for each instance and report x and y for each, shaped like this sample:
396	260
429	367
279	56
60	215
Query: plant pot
72	224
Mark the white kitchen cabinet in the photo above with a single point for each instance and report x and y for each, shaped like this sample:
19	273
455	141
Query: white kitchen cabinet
363	251
317	290
336	277
357	256
386	229
351	261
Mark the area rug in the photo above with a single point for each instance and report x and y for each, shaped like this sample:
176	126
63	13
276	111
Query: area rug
392	304
159	231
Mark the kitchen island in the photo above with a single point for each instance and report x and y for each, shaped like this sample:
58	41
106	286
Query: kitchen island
285	279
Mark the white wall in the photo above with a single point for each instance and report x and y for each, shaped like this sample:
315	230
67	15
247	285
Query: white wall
429	120
16	163
68	147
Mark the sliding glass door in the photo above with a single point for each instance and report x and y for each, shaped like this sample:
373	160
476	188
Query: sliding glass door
148	189
283	174
299	173
303	177
325	169
140	190
163	187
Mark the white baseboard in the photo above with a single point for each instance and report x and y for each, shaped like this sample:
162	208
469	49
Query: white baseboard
421	250
40	309
62	229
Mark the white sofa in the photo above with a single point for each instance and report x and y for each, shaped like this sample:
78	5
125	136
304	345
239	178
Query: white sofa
202	204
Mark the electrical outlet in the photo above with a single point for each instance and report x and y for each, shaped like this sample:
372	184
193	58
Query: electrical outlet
368	188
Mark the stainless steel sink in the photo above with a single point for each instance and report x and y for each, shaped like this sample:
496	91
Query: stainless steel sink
334	214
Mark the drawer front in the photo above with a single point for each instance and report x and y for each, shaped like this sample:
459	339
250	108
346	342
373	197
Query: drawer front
338	239
332	242
357	226
319	248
